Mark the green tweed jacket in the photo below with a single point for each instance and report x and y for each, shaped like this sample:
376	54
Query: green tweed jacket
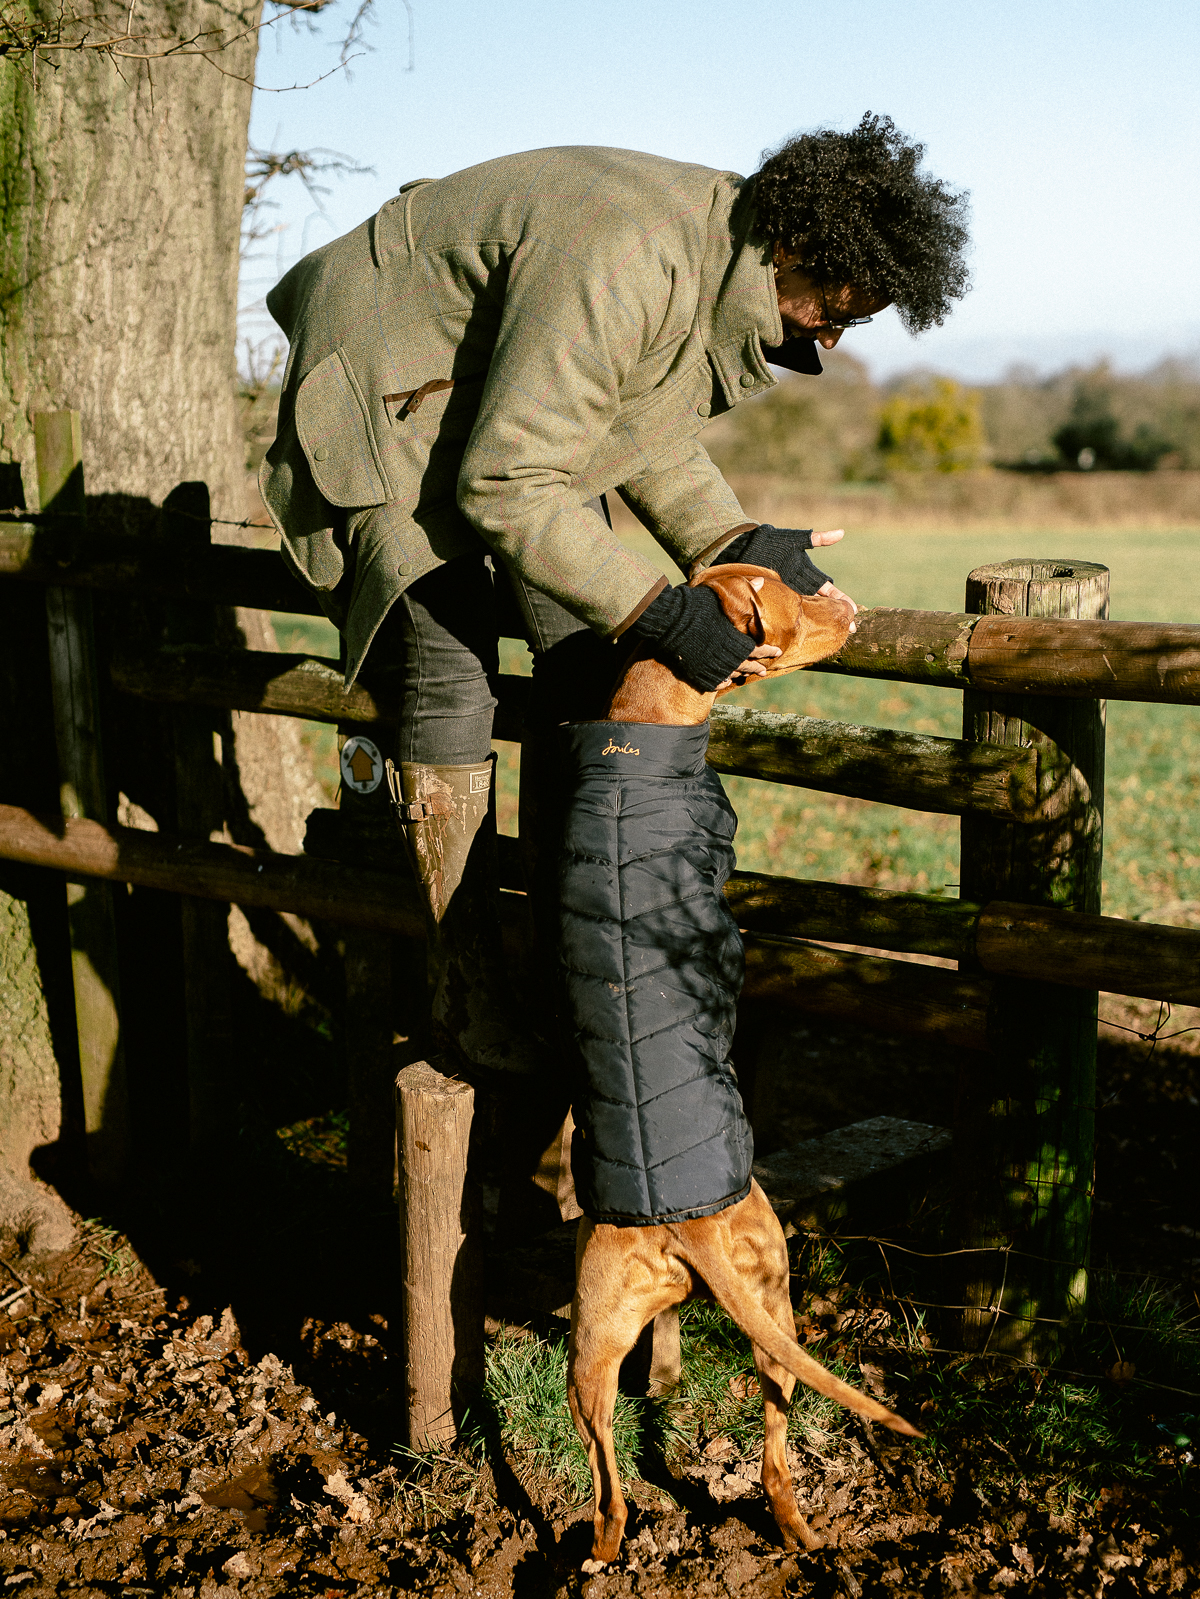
494	349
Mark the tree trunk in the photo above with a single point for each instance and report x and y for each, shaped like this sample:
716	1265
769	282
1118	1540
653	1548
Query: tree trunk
120	216
121	211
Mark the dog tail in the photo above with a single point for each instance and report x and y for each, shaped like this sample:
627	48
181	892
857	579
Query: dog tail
730	1293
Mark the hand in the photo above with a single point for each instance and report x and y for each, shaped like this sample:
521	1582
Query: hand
828	590
752	666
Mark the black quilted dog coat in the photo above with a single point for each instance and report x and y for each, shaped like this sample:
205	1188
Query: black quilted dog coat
654	966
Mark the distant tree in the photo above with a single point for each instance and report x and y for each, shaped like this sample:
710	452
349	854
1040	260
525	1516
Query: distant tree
1092	438
820	431
934	427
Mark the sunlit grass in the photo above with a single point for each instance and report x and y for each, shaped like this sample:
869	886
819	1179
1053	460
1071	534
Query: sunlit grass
719	1396
1052	1438
1152	841
525	1392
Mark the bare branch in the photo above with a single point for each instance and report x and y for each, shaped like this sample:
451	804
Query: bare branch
307	165
356	33
25	38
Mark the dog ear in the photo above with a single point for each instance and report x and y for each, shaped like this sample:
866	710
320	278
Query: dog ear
737	590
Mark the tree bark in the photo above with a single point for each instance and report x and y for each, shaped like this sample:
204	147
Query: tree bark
120	213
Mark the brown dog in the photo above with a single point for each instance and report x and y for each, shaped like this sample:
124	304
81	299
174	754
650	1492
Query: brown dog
625	1276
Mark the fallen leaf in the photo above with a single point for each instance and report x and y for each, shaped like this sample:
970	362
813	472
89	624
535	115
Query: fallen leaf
742	1386
48	1426
357	1508
873	1378
1122	1372
253	1490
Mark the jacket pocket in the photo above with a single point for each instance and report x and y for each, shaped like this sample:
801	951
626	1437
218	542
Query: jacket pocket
333	424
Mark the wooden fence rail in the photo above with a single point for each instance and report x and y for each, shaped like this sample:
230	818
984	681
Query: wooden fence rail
917	770
1148	661
1152	961
221	574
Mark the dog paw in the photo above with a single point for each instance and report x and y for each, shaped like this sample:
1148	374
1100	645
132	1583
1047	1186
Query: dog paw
592	1568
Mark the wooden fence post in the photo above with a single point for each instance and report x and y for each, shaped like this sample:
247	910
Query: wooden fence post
442	1261
199	813
90	912
1025	1118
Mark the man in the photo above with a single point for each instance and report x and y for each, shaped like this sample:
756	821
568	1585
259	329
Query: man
473	368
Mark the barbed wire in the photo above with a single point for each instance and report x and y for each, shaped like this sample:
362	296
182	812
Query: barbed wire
838	1239
1056	1371
996	1310
1156	1036
16	513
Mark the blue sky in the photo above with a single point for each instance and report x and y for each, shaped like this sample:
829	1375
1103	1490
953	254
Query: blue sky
1075	125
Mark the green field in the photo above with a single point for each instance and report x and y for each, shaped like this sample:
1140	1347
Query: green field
1152	842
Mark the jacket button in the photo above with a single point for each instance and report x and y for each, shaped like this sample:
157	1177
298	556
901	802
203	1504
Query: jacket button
404	569
704	409
747	380
321	454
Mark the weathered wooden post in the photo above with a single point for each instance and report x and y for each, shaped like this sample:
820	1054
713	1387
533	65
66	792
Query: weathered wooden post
91	922
441	1254
1025	1119
200	813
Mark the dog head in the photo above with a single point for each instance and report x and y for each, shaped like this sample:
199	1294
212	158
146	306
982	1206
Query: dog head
805	628
759	604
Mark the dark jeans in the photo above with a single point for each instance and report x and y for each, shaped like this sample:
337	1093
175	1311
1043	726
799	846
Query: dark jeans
442	637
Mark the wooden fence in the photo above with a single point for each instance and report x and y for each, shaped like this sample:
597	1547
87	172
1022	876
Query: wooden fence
1033	656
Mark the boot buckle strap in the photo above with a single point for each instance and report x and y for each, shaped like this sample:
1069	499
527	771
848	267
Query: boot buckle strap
408	811
422	810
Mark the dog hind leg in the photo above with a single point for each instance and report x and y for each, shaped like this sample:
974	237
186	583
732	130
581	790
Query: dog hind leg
741	1230
622	1283
777	1384
591	1394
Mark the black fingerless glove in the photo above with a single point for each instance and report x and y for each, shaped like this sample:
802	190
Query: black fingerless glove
692	634
783	549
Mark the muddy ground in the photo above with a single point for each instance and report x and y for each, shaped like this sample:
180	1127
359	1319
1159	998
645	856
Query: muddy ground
203	1410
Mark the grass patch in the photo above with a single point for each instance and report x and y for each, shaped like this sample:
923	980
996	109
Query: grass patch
1052	1439
108	1246
525	1394
720	1398
319	1140
525	1406
1117	1419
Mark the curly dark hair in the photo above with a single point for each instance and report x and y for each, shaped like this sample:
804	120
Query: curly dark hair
861	211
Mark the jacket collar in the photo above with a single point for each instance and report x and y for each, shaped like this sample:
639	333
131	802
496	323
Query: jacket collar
739	312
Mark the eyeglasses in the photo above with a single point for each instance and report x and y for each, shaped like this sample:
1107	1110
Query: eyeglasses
840	327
